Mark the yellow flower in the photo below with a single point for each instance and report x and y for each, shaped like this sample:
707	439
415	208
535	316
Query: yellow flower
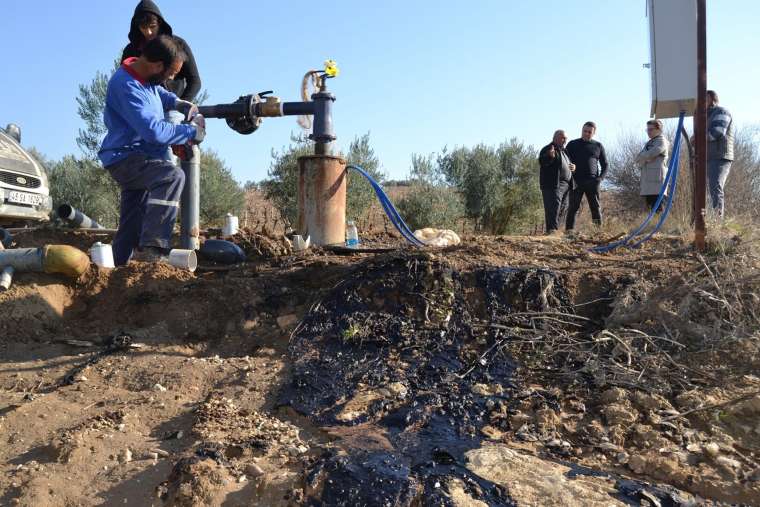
331	68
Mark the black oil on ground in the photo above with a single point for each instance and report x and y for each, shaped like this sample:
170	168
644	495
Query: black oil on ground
404	348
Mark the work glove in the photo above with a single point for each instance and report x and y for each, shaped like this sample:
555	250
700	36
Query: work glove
187	108
199	122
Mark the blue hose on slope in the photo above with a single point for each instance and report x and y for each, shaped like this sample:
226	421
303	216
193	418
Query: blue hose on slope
390	210
668	187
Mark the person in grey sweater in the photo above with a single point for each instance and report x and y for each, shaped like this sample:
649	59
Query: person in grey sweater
720	150
653	160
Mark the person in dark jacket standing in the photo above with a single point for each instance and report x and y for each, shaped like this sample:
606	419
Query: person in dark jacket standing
147	24
720	149
556	180
591	165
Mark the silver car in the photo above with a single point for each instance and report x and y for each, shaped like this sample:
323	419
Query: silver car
24	187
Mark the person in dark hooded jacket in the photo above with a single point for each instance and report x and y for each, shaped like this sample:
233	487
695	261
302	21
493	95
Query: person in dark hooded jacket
148	23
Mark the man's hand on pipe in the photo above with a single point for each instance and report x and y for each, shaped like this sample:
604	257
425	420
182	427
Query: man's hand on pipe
187	108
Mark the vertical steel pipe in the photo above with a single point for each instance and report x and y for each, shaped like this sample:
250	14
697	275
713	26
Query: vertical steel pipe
700	129
190	202
322	199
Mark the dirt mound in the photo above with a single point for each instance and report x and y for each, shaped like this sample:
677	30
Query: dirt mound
502	371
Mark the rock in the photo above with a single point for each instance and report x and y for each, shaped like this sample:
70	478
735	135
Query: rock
533	481
608	446
398	389
492	433
637	463
161	452
254	470
614	395
152	455
125	456
159	388
486	389
547	418
728	463
711	449
518	419
287	321
242	478
620	414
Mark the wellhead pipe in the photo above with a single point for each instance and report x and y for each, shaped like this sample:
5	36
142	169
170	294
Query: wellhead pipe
190	202
322	199
76	217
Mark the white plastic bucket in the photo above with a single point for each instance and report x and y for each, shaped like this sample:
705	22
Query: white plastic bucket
183	259
231	225
6	278
102	255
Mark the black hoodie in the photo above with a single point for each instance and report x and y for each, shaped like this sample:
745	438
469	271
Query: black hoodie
187	83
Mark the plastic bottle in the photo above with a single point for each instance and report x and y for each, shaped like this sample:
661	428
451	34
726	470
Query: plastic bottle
352	235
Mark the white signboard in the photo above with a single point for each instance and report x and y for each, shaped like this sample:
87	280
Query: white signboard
673	39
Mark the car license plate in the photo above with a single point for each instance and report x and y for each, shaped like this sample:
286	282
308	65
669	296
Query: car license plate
24	198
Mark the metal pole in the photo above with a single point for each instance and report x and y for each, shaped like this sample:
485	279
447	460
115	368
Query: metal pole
190	204
700	129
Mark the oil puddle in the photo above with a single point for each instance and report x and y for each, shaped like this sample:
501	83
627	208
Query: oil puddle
402	346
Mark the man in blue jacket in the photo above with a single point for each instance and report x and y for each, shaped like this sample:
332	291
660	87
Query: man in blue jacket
134	149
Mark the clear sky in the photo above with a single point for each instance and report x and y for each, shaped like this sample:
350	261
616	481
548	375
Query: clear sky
417	74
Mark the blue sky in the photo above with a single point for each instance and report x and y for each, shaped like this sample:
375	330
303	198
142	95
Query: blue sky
418	75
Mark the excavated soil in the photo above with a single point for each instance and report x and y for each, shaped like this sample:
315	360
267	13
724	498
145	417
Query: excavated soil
505	371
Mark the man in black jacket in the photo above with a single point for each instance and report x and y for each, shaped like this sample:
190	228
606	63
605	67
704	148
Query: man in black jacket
147	24
591	165
556	179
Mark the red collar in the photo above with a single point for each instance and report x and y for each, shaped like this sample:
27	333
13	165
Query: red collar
127	65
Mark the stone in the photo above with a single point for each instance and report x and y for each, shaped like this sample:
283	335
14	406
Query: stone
614	395
620	414
159	388
254	470
398	389
518	419
125	456
534	481
637	463
152	455
711	449
287	321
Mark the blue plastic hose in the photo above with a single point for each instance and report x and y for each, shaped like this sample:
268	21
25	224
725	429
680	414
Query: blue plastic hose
668	187
390	210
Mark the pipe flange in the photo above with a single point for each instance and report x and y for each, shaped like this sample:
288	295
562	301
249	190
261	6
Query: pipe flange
249	123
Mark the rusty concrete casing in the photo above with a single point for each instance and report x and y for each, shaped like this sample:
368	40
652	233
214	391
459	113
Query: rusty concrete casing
322	199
